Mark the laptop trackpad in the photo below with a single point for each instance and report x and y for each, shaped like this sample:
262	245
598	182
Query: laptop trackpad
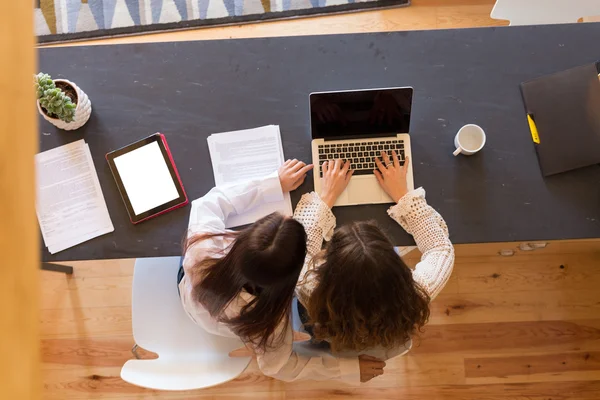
364	191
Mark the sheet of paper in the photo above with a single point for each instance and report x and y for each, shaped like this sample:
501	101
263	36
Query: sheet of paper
248	154
69	201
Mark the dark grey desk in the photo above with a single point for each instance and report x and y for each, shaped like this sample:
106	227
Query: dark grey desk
189	90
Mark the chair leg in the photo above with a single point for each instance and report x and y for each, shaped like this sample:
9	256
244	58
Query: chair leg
134	351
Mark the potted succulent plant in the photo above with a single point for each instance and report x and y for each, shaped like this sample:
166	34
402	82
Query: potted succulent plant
61	102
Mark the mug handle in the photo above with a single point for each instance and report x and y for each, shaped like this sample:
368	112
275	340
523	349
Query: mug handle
457	151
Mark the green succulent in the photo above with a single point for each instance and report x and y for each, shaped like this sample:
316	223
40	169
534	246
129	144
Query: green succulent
58	104
52	99
42	82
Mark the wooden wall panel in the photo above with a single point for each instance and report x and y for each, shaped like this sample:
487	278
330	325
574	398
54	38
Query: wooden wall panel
19	277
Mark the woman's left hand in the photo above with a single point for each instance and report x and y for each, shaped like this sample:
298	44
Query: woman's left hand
292	174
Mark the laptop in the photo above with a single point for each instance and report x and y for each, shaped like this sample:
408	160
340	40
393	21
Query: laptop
357	125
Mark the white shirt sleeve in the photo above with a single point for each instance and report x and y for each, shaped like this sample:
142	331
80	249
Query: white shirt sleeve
210	211
431	235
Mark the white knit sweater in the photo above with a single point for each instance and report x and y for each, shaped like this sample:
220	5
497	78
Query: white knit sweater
412	212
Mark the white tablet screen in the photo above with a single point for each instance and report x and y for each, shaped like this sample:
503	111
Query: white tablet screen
145	175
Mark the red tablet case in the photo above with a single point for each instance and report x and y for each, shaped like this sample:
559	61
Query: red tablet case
162	137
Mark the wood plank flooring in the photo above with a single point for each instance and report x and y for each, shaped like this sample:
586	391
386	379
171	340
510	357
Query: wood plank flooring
520	327
525	327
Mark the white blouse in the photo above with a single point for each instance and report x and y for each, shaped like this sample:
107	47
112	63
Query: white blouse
209	214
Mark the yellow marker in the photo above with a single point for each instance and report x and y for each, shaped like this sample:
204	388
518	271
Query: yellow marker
534	132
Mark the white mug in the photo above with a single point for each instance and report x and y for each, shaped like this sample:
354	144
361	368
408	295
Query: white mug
469	140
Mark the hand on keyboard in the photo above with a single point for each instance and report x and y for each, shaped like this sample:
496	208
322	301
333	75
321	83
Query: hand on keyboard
336	176
360	154
392	176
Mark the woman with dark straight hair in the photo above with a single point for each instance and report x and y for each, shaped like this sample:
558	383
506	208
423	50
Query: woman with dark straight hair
261	264
357	294
241	284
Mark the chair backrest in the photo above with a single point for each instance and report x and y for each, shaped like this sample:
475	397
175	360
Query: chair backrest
160	323
534	12
188	356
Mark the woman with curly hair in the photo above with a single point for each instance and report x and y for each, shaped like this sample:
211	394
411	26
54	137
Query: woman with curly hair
357	294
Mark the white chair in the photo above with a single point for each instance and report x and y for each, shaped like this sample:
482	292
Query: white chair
188	356
537	12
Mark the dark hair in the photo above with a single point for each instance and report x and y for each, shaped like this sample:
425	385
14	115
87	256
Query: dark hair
365	295
264	259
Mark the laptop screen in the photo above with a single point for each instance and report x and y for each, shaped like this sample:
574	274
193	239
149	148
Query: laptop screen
360	113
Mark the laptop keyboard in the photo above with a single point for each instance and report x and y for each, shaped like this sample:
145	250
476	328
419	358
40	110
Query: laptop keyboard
361	154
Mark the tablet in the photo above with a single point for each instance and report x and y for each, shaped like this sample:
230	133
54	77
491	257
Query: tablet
147	178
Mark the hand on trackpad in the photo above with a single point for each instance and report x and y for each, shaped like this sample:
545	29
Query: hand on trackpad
364	191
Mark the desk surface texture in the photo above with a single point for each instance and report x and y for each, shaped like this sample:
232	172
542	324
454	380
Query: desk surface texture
189	90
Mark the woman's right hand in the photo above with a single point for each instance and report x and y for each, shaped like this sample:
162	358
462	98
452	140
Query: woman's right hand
370	367
335	179
392	176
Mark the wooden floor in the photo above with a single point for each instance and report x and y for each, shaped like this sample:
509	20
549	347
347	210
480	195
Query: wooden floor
525	327
520	327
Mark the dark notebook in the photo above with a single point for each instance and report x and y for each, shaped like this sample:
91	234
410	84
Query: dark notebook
566	110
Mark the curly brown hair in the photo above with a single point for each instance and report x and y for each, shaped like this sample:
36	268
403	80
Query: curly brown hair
365	294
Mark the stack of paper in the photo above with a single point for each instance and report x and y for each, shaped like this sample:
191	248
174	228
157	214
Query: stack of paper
249	154
69	202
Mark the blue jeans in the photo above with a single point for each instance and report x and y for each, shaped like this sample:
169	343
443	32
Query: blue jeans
180	274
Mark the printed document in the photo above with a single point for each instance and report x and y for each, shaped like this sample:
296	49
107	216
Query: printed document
69	202
248	154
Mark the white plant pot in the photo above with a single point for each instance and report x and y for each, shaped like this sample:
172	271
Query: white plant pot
82	112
